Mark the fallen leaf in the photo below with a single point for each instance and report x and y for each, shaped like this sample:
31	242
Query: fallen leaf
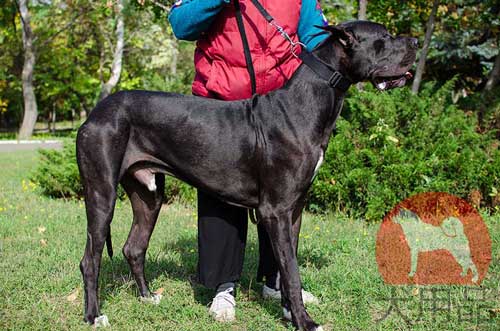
41	229
415	291
495	312
160	290
73	296
43	242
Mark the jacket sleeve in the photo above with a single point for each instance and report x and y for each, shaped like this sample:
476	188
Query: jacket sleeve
311	15
189	18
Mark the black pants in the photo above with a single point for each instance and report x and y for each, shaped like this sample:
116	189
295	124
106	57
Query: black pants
222	236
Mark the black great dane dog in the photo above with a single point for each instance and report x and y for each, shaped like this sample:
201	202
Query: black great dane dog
261	153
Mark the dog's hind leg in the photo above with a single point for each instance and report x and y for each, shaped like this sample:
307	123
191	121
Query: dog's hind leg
280	229
146	205
99	154
100	201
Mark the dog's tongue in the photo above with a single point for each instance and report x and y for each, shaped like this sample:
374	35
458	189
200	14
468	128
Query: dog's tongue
388	84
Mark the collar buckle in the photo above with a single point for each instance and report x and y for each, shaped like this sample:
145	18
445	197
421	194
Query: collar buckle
335	79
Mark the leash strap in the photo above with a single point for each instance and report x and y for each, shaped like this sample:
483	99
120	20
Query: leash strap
334	78
263	11
278	27
246	48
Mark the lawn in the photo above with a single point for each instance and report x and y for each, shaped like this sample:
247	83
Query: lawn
42	240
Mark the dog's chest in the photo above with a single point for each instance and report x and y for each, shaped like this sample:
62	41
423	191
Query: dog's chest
318	164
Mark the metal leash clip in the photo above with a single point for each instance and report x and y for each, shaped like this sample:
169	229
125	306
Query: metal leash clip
293	44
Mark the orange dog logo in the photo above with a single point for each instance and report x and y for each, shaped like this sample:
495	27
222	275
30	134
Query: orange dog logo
433	238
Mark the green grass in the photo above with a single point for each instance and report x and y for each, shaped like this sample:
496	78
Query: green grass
42	240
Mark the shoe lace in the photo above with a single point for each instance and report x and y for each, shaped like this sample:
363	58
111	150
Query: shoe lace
224	295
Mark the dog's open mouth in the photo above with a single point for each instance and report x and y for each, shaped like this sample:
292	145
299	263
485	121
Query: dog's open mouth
386	83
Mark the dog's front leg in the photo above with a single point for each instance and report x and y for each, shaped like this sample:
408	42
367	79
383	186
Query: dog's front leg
280	230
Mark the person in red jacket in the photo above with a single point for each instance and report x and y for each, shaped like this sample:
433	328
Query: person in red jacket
221	73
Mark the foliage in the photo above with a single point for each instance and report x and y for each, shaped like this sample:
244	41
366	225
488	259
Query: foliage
394	144
74	46
465	40
57	173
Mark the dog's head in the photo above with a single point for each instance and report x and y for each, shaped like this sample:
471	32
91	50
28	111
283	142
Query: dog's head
404	216
372	53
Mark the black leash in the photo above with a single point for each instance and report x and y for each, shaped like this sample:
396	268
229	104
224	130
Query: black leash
334	78
246	48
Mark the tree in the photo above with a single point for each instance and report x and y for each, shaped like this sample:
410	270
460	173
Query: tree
494	74
30	105
425	48
116	66
362	17
362	9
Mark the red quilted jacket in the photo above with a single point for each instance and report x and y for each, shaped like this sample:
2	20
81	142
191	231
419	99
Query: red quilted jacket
221	70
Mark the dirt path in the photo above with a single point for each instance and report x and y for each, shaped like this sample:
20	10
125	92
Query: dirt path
23	145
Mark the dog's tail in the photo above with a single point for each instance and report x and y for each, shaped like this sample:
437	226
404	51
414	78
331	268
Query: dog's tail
452	227
109	244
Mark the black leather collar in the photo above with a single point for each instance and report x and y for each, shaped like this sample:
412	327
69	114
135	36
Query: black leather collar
334	78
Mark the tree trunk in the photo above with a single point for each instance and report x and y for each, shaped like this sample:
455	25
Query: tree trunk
362	17
362	10
173	64
30	106
116	67
83	113
494	74
425	48
53	119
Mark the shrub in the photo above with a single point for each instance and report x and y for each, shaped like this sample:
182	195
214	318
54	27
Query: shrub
391	145
57	172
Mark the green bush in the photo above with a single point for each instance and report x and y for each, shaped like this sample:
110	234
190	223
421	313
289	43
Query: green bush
57	172
391	145
57	175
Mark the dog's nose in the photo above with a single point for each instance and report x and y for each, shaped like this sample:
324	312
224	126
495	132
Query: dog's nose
413	42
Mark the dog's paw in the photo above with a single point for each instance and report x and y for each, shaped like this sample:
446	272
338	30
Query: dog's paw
319	328
154	299
101	321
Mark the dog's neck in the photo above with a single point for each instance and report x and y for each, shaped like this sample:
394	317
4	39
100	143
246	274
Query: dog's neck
315	103
334	54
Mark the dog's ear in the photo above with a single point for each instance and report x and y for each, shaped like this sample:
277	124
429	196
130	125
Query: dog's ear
345	37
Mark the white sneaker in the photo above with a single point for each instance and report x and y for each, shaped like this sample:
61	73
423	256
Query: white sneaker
223	306
270	293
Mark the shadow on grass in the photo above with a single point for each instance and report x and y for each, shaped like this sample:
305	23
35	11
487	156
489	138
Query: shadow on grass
116	275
